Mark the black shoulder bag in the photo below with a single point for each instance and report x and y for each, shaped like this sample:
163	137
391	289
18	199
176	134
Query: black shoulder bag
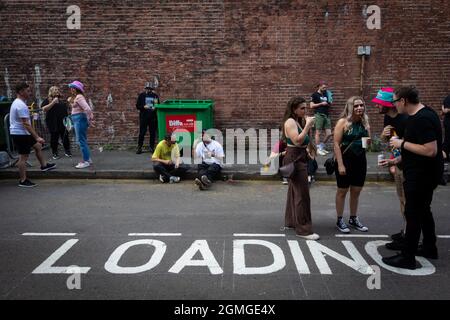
329	163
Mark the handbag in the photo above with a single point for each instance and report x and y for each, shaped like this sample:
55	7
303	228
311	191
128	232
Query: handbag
287	171
330	162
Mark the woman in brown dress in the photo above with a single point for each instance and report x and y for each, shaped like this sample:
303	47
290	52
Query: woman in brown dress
296	126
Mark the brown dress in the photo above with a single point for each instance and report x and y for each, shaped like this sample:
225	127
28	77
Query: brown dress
298	204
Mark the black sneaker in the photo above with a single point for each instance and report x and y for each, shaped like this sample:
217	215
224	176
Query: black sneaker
56	156
396	245
48	167
355	223
139	151
342	226
427	253
400	261
26	184
199	184
68	154
398	236
205	180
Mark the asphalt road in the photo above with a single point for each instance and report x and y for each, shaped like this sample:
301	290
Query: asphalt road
144	240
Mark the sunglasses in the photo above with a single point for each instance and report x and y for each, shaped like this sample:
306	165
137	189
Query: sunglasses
396	100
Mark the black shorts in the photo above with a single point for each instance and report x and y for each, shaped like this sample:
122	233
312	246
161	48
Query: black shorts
355	168
23	143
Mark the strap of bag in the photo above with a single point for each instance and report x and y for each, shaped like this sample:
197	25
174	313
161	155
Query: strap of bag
349	146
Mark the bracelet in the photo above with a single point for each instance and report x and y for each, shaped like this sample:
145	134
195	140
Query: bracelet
402	146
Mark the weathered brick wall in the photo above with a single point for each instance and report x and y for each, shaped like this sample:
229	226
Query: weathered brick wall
250	57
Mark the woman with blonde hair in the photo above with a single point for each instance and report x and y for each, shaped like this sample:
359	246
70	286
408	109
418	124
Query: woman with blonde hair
55	111
351	163
296	126
82	117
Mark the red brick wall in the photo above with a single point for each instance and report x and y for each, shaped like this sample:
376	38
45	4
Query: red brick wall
250	57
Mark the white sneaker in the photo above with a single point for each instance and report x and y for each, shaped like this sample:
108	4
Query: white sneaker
321	152
313	236
83	165
174	179
326	151
285	181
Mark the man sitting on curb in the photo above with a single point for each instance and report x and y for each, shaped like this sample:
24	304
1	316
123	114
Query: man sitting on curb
167	162
211	153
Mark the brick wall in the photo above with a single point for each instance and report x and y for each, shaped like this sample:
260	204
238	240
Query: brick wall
250	57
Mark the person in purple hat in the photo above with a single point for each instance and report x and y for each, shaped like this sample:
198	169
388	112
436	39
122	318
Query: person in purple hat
394	125
82	117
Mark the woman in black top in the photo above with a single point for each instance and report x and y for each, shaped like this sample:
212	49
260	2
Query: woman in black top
55	110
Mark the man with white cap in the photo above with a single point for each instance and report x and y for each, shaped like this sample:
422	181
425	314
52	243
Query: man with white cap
147	115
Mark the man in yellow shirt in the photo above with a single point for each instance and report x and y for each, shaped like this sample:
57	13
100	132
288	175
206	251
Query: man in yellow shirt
166	160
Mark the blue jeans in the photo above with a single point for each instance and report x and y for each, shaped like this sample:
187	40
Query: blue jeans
80	123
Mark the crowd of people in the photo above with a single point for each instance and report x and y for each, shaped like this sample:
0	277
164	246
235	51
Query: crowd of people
415	136
412	129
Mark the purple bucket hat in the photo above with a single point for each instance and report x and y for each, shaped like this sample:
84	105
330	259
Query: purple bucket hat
77	85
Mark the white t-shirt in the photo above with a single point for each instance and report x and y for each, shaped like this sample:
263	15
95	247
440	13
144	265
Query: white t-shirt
18	110
204	151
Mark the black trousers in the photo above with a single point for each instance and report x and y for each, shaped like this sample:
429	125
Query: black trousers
212	171
147	121
446	144
54	138
169	170
418	216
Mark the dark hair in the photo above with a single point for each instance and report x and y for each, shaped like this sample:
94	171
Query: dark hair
168	136
21	86
409	93
292	105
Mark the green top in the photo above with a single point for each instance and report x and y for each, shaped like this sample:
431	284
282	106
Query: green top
305	142
354	133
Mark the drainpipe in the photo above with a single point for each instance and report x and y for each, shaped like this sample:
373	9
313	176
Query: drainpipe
363	51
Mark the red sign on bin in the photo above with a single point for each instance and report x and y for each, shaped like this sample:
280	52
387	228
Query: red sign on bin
180	121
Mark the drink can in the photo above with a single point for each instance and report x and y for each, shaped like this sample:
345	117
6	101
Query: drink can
380	158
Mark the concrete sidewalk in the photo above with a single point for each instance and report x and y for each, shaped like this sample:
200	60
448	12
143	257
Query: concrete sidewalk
128	165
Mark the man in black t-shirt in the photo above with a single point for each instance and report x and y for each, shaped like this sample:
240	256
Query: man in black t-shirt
321	102
422	167
446	113
147	115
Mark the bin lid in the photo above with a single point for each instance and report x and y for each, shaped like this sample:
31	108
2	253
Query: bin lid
185	104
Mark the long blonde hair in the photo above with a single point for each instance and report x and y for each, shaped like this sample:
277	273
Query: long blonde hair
348	113
52	91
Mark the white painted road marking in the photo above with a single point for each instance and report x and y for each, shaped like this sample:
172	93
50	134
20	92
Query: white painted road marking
49	234
241	248
47	266
259	235
361	236
155	234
